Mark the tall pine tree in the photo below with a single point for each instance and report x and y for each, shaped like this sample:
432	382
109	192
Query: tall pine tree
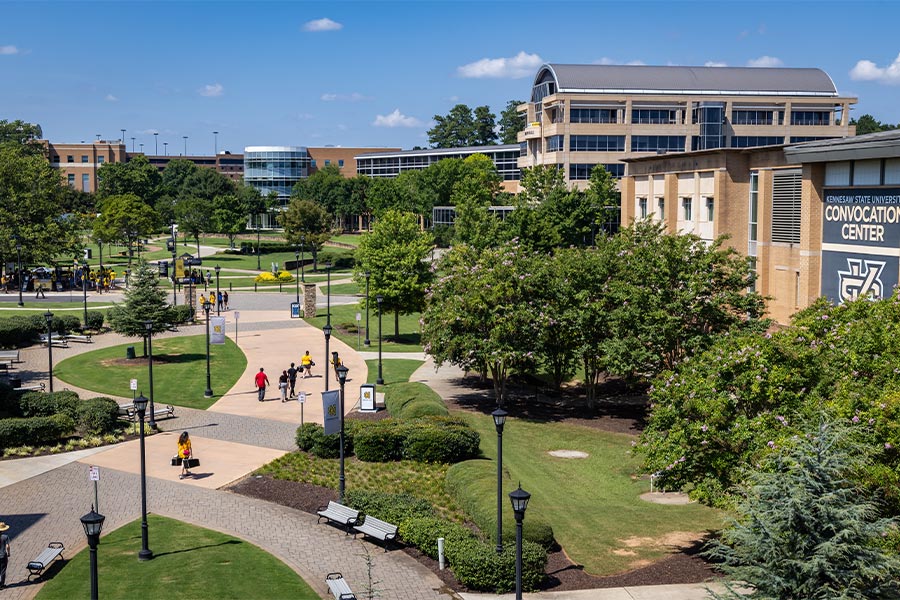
144	301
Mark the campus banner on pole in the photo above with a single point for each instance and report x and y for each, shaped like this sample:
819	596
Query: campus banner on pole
330	401
217	330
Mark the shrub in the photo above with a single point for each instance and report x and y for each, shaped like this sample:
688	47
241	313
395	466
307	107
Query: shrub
9	401
97	416
306	434
95	320
311	438
266	278
378	441
35	431
284	276
43	404
426	441
179	314
412	399
20	330
423	532
393	508
478	566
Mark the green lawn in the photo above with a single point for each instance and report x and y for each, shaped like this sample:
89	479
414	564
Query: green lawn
248	261
394	370
347	289
189	562
592	503
179	370
343	319
348	238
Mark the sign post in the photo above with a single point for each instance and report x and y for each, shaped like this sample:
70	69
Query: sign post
237	316
94	475
301	398
358	318
295	310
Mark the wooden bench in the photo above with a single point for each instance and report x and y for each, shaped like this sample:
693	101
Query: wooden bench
10	356
31	388
377	528
161	412
57	340
338	513
43	560
338	587
84	338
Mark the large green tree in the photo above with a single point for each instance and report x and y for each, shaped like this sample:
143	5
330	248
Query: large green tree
144	301
22	134
137	177
394	254
474	190
309	221
511	122
869	124
125	218
194	215
485	133
229	216
453	130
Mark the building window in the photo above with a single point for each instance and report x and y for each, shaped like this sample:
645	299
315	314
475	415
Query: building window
754	213
686	206
710	209
661	207
751	141
593	115
810	117
84	158
71	178
752	287
751	117
85	182
70	158
555	143
100	159
597	143
799	139
654	116
642	207
786	187
340	163
867	172
657	143
327	162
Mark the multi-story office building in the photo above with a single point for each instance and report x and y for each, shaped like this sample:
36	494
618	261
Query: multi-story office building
80	162
580	116
227	164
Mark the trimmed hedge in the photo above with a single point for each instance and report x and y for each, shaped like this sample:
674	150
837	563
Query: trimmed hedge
19	330
311	438
95	320
61	324
181	313
379	441
429	439
44	404
97	415
411	400
36	431
9	401
393	508
473	484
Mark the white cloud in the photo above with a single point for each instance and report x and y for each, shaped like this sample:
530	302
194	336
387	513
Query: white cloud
612	61
9	50
715	63
354	97
866	70
111	98
396	119
322	25
765	61
212	90
516	67
635	63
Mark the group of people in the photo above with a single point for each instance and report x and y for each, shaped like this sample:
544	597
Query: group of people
287	381
220	299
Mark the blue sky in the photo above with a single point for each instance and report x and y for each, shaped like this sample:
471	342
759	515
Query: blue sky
373	74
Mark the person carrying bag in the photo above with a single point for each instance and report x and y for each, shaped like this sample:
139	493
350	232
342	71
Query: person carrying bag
186	455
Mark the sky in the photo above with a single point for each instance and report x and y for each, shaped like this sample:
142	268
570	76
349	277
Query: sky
374	74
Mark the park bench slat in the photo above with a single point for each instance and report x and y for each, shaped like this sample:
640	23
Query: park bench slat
378	529
339	513
338	587
48	555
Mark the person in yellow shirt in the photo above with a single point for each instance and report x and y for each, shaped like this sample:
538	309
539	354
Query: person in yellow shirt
184	453
306	363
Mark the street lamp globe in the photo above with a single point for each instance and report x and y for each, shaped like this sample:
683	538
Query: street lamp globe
140	404
342	374
92	523
499	419
519	499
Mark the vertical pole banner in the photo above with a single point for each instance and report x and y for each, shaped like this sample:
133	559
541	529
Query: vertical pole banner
217	330
330	408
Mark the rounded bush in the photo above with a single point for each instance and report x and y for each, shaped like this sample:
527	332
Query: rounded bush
97	416
423	532
266	277
179	314
478	566
393	508
311	438
35	431
43	404
20	330
430	442
378	441
412	399
285	276
95	320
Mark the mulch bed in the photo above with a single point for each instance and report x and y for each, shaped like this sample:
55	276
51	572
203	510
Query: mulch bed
619	409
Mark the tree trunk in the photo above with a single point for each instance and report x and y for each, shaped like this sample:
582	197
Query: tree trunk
397	324
198	245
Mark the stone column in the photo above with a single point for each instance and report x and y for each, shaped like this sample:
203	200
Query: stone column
309	300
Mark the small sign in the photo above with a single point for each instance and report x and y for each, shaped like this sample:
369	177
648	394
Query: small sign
237	315
358	317
133	385
301	397
367	398
295	310
94	473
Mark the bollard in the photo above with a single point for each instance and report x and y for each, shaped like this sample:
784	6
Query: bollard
279	286
254	286
441	554
229	287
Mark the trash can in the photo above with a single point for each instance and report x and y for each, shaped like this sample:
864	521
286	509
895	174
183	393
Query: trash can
129	352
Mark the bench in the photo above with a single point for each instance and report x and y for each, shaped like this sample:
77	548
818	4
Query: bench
84	338
338	513
31	388
338	587
377	528
57	340
43	560
10	355
160	412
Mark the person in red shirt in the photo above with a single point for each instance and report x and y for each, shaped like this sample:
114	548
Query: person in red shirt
262	380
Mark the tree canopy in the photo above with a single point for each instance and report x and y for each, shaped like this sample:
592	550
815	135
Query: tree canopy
125	218
309	221
511	122
869	124
144	301
463	126
137	177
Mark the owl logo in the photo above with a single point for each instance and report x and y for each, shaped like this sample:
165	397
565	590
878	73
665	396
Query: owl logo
332	411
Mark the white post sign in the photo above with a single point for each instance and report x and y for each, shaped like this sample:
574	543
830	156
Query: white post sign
301	397
132	386
94	473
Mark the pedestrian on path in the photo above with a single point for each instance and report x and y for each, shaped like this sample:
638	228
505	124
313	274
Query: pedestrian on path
225	298
262	380
4	553
335	362
40	290
220	301
292	378
283	385
202	300
306	364
184	453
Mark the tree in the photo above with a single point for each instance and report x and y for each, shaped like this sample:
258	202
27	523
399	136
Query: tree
394	254
869	124
328	187
144	301
802	530
511	122
307	219
194	216
206	184
229	216
125	218
137	177
485	133
455	130
22	134
474	190
533	223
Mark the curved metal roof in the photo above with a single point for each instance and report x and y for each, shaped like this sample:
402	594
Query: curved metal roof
706	80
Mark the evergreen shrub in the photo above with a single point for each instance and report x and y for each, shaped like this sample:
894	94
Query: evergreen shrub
35	431
96	416
45	404
95	320
393	508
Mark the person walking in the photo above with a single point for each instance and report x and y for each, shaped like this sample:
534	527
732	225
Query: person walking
306	364
184	453
4	553
39	286
283	385
225	298
202	300
262	380
292	379
220	301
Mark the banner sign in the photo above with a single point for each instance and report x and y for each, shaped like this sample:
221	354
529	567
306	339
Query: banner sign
330	408
179	268
217	330
860	242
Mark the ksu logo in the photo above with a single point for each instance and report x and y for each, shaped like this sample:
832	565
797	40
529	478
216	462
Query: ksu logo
862	279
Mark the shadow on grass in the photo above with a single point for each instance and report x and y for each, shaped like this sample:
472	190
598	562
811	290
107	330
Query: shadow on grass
225	543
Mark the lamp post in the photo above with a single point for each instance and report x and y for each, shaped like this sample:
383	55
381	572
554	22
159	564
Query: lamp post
174	279
216	143
342	377
302	248
218	304
258	265
499	420
297	271
208	393
156	143
140	405
19	269
49	316
328	288
366	342
148	327
185	144
93	525
84	271
132	144
379	299
123	135
327	331
519	499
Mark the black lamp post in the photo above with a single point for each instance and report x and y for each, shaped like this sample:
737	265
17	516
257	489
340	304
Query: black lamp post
297	271
519	499
499	420
49	316
148	327
208	393
19	269
100	274
174	278
93	525
342	377
366	342
327	331
302	248
84	271
140	405
258	265
379	299
218	304
328	309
